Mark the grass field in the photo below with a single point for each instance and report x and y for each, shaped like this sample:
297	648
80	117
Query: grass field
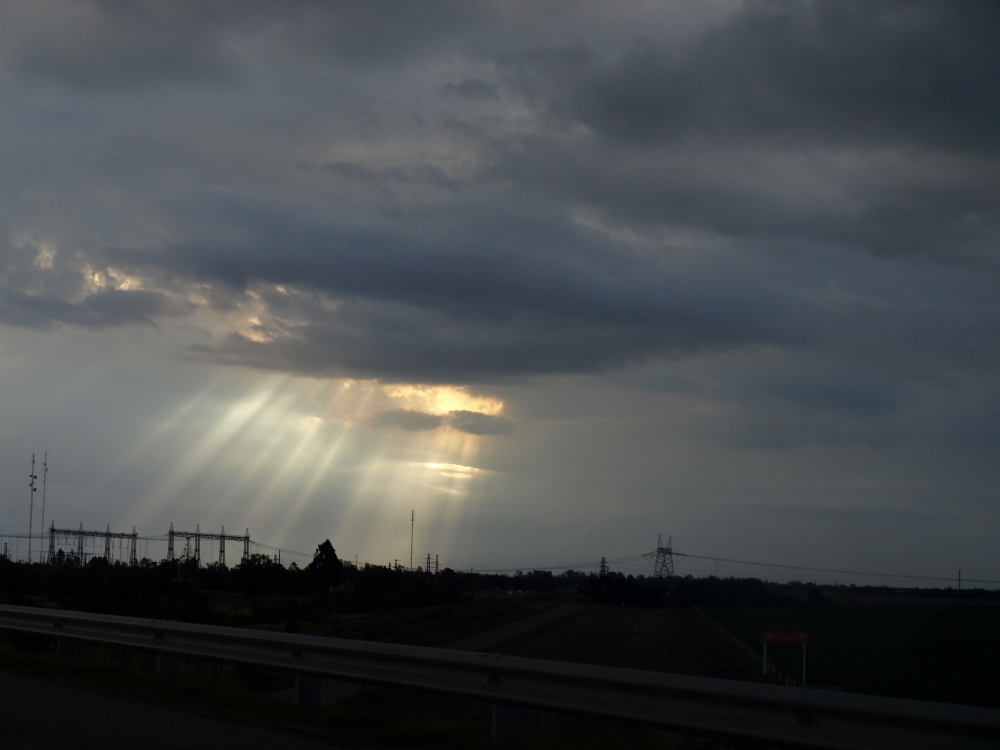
432	626
676	640
662	640
945	654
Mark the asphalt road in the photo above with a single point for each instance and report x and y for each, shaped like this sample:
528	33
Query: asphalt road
40	715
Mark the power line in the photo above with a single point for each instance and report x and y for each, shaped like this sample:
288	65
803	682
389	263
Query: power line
832	570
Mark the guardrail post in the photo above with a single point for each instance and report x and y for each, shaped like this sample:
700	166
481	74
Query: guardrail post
308	690
508	726
66	649
167	666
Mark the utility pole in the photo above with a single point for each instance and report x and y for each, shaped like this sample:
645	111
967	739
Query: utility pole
435	564
31	511
412	516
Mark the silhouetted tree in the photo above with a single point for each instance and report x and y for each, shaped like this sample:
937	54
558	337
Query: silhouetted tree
325	570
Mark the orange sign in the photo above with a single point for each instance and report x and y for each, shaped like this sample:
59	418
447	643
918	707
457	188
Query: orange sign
785	636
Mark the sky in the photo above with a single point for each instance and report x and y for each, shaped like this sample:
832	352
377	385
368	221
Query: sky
557	277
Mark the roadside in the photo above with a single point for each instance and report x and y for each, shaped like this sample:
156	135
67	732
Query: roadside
110	695
667	639
38	714
672	640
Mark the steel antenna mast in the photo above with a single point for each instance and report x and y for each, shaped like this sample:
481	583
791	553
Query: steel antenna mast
412	516
45	476
31	508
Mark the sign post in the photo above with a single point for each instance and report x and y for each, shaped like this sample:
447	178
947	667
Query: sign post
786	636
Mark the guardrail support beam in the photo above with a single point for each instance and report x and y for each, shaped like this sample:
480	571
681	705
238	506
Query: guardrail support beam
308	690
507	726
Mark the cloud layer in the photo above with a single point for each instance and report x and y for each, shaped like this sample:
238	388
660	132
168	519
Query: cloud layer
560	273
469	195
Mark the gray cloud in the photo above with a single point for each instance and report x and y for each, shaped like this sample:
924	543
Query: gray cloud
472	88
493	296
102	309
922	73
103	43
472	422
650	198
744	251
870	126
62	289
476	423
406	419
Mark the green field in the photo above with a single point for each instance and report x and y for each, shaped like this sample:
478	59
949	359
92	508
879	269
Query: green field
949	654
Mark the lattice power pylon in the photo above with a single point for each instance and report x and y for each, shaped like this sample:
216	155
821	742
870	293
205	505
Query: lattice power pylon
662	557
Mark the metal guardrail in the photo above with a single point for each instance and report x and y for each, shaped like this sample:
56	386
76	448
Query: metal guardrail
769	668
773	715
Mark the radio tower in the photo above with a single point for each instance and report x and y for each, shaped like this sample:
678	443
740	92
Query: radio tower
31	509
412	516
663	558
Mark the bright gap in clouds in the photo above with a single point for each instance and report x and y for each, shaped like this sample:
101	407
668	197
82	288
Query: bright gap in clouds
299	460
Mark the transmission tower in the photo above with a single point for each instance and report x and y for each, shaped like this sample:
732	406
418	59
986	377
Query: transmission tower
662	557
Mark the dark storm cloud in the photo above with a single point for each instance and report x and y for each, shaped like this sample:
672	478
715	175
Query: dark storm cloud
128	43
400	343
38	294
941	206
472	88
103	309
484	213
406	419
751	129
498	293
921	73
108	43
380	178
471	422
476	423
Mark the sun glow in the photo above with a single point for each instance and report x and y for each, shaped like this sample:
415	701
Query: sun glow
295	458
442	399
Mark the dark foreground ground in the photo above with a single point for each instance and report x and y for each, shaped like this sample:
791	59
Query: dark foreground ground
940	652
37	714
112	696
